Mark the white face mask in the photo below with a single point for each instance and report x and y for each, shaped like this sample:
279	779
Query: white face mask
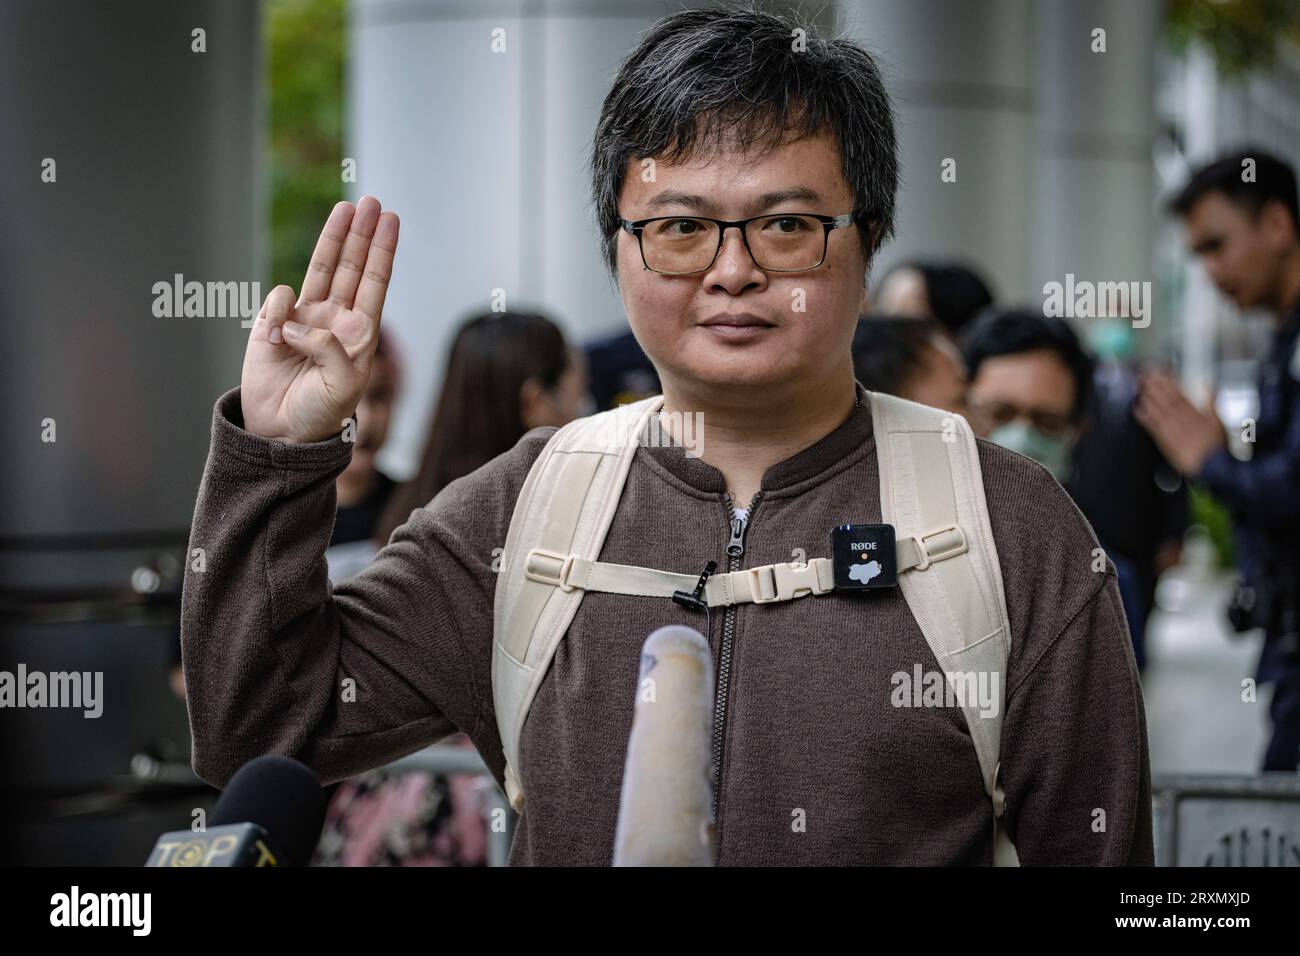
1052	453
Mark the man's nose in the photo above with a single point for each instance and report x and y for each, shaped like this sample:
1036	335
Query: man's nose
734	261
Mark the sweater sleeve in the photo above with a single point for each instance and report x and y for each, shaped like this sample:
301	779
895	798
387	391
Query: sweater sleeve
344	678
1075	764
1260	492
1075	767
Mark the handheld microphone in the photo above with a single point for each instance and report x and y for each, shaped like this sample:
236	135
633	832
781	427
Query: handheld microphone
270	814
665	813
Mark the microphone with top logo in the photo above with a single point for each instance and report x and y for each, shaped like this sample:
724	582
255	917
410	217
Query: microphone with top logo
270	814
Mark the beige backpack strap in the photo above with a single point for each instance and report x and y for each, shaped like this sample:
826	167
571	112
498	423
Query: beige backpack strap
765	584
930	478
565	507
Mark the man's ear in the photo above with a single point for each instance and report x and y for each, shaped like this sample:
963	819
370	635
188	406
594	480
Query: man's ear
1275	220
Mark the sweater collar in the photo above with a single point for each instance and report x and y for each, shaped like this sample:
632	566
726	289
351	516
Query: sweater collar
851	435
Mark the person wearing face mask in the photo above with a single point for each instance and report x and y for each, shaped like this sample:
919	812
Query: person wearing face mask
1031	384
1032	392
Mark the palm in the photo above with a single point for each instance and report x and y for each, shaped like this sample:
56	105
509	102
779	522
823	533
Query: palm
304	391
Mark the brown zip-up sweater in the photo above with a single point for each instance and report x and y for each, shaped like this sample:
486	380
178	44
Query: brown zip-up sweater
817	765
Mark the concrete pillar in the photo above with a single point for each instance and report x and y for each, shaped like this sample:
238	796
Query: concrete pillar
157	160
1094	209
960	77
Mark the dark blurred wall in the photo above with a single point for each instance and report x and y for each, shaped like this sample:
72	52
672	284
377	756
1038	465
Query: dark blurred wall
157	173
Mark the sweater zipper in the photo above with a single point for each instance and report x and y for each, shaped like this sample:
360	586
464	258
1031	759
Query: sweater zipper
735	550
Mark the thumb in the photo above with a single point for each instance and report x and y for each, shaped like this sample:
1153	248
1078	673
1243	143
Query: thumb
322	346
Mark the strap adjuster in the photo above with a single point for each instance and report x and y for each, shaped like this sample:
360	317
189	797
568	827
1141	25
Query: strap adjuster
549	567
946	548
782	582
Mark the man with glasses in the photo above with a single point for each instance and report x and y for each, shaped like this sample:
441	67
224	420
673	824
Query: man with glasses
683	246
743	175
1032	392
1031	382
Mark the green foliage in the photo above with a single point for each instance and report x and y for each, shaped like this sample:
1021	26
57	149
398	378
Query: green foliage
1205	511
1243	34
305	62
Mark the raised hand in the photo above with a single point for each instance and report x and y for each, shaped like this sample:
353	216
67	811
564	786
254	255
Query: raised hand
308	359
1187	435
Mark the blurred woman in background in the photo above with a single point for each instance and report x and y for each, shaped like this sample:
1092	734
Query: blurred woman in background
911	358
951	293
363	491
508	372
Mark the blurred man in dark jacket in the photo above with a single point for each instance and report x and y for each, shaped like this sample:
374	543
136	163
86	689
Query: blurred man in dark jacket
1243	222
1135	500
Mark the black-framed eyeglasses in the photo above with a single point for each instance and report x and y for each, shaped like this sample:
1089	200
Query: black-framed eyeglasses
997	414
777	242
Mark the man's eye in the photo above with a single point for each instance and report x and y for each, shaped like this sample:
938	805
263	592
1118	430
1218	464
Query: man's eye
681	227
787	225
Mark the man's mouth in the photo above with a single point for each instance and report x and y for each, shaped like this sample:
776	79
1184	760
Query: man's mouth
737	320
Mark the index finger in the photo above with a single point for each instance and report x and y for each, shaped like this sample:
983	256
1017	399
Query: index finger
379	267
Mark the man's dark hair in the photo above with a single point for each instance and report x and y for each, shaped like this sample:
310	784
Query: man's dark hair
889	350
704	79
1011	332
1274	181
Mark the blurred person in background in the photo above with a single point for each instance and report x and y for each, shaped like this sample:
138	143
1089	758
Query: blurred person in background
1031	385
1136	500
508	372
910	358
1242	221
363	490
948	292
619	372
1032	391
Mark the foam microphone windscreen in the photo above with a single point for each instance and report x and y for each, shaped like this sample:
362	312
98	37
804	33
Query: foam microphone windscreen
666	809
281	796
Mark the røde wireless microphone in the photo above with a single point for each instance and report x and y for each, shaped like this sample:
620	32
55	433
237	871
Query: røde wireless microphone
665	814
270	814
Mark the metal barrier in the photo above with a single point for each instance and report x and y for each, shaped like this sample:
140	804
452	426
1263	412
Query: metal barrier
1227	820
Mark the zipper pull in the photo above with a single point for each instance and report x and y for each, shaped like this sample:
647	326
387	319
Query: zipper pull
736	546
